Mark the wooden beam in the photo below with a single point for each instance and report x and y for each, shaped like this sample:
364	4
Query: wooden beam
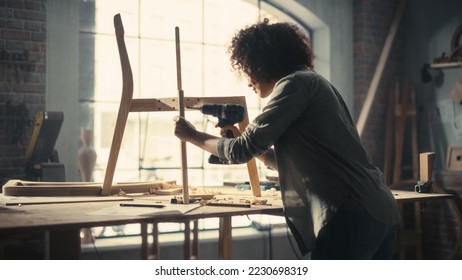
380	67
427	161
184	159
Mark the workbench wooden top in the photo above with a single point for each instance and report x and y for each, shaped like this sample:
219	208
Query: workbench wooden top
57	216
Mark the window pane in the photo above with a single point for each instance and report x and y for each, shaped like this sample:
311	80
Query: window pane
108	73
158	69
223	17
105	11
159	19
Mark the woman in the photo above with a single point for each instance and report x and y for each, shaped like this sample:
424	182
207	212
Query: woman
335	202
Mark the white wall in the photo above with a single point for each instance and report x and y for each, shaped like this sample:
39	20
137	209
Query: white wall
62	86
334	29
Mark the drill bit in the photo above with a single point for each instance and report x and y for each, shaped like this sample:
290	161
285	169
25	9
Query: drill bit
194	107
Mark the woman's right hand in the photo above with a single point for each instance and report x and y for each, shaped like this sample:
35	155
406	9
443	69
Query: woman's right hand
224	130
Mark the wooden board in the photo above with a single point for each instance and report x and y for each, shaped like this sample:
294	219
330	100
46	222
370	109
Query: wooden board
30	188
13	201
427	162
380	67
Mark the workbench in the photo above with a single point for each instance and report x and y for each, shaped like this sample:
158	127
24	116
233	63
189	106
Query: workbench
62	222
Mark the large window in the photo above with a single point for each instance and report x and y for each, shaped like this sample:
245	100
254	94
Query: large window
149	150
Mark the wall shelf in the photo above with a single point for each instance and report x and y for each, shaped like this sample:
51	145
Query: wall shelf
447	65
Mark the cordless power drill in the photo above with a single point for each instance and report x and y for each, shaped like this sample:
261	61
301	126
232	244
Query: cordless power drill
227	114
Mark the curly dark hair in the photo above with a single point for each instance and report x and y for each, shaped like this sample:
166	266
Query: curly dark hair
266	52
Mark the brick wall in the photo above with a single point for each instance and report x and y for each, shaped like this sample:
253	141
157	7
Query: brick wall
22	78
371	23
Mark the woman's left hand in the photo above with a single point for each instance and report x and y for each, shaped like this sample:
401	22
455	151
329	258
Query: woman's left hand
184	129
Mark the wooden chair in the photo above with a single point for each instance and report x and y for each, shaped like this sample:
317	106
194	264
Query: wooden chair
128	104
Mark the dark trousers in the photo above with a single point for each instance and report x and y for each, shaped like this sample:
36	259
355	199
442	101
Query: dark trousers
354	234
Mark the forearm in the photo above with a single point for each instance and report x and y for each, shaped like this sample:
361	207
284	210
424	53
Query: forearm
205	141
269	159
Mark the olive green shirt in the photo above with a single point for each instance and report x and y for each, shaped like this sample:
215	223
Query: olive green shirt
317	153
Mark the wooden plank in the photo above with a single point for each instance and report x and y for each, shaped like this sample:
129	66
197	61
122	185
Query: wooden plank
412	113
387	169
52	190
31	200
401	110
379	69
29	188
427	162
184	159
446	65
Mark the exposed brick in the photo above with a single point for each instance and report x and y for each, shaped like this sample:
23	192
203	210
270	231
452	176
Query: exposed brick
4	86
38	88
6	13
17	4
32	98
34	26
32	78
38	36
10	34
18	45
14	24
40	67
34	5
30	15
